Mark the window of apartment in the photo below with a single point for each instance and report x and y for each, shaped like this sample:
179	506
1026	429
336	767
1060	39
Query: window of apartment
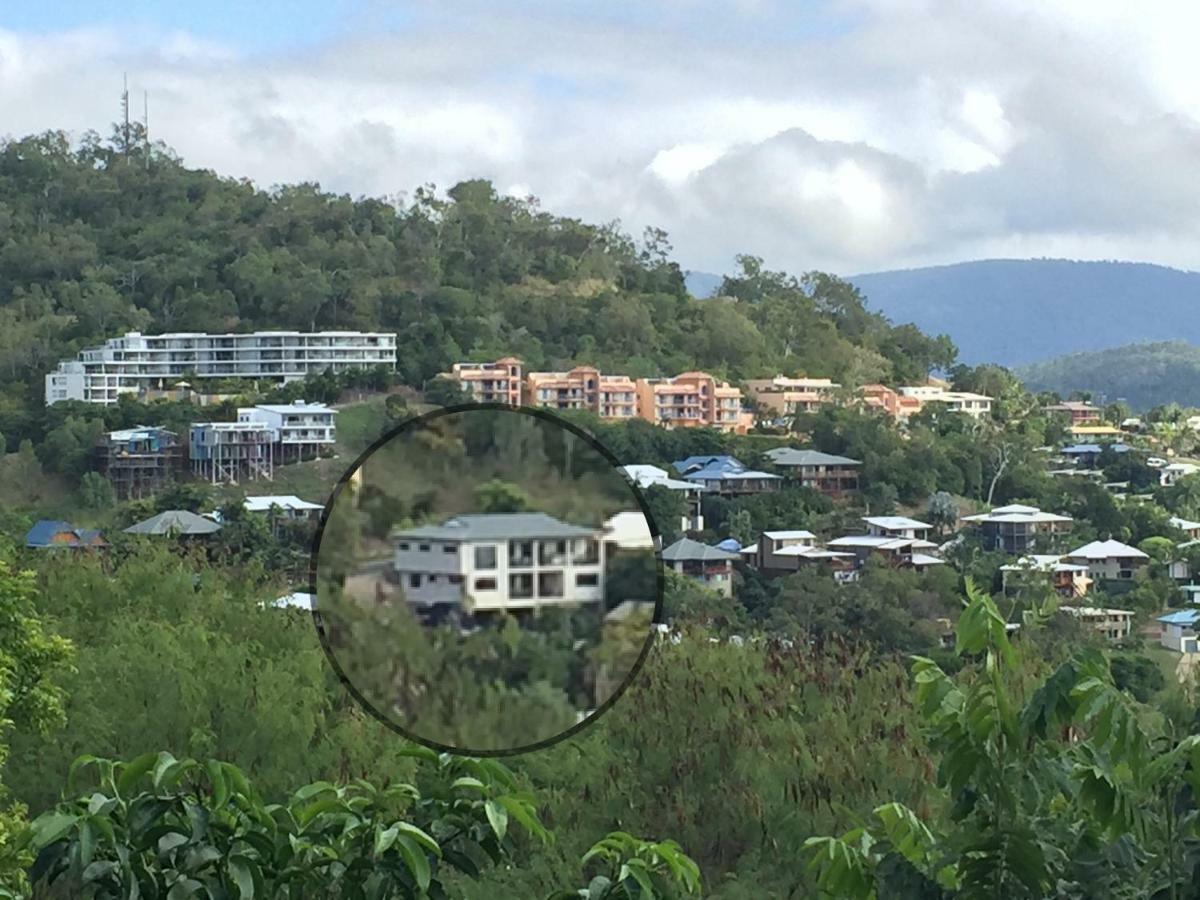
485	557
587	579
433	579
403	545
449	548
586	552
550	584
520	553
456	579
552	553
424	548
414	580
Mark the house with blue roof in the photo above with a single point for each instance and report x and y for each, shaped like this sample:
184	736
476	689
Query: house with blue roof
52	534
726	475
1086	456
1179	630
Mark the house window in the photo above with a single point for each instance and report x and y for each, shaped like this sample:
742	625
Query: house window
433	579
450	548
485	584
520	553
414	580
424	548
456	579
587	579
485	557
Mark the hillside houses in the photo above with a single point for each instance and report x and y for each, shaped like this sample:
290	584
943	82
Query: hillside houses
643	476
834	476
1108	560
139	461
1067	579
725	475
710	566
1018	529
487	562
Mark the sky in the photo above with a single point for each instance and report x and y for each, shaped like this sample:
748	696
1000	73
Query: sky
841	135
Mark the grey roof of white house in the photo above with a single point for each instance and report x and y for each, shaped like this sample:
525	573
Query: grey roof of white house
497	527
687	549
790	456
174	521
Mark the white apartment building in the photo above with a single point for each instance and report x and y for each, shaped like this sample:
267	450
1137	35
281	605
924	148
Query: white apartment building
296	428
139	361
975	405
488	562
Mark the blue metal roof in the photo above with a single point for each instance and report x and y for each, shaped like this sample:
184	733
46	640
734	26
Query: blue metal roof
707	462
42	533
730	545
1182	617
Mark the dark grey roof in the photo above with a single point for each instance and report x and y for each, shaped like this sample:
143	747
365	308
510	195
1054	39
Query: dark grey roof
687	549
176	521
497	527
790	456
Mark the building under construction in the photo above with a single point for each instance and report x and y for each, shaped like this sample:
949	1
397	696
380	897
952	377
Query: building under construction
139	461
231	452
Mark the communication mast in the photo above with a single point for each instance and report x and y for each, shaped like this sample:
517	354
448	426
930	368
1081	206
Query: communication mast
125	116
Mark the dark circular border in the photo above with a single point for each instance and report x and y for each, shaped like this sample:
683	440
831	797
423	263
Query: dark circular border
422	419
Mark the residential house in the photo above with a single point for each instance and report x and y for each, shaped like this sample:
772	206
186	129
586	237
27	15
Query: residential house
1078	412
286	506
977	406
645	477
298	429
231	451
787	551
55	534
139	461
691	400
1171	473
1087	456
1179	631
300	600
900	540
782	396
490	382
726	476
831	475
1018	529
1188	527
611	397
487	562
711	567
138	362
1114	624
1066	578
894	404
629	531
1108	560
175	522
1096	431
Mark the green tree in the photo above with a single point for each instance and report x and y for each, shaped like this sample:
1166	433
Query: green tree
498	496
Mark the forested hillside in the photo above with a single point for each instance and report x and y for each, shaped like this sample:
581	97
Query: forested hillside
101	237
1142	375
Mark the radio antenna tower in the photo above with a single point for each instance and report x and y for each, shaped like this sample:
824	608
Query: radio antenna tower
125	116
146	126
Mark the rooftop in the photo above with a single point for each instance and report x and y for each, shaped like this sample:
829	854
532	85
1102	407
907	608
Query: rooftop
790	456
174	521
297	406
894	523
685	549
264	502
1109	549
498	527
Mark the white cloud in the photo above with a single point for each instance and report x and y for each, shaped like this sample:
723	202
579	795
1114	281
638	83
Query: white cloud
863	135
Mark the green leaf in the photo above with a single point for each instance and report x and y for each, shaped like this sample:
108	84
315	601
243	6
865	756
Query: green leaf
416	861
384	839
243	876
133	771
425	840
50	827
497	815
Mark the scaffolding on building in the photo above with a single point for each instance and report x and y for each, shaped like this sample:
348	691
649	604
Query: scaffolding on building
139	461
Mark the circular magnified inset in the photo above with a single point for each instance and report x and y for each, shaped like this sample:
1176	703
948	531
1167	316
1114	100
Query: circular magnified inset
487	581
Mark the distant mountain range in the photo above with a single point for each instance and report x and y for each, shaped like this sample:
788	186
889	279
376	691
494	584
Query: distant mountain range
1022	311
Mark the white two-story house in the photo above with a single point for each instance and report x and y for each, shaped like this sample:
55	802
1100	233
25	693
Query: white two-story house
297	429
487	562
